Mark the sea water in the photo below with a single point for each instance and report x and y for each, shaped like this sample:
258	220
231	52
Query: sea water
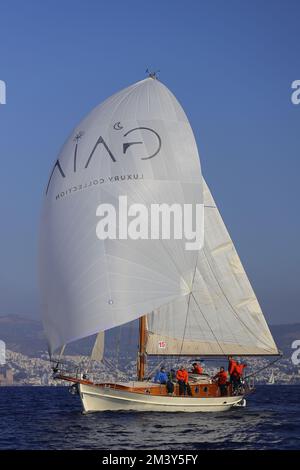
51	418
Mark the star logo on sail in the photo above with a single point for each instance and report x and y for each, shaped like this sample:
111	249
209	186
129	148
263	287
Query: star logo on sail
78	136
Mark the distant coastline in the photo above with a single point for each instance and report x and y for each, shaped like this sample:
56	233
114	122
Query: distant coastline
27	356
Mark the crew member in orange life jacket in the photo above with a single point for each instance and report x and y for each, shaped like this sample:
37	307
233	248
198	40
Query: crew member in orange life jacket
237	375
239	370
182	377
197	369
232	377
222	381
231	366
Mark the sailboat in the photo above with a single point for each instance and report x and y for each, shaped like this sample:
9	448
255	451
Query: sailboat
189	303
271	380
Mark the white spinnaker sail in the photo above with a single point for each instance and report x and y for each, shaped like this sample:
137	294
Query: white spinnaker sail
138	143
222	315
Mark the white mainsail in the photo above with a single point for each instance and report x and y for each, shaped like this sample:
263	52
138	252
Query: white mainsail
222	315
137	143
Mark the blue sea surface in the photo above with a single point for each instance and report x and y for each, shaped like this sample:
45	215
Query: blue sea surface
51	418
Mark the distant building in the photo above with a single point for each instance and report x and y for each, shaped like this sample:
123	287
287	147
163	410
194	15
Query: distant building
6	376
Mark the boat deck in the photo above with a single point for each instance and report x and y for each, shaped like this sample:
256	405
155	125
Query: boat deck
200	389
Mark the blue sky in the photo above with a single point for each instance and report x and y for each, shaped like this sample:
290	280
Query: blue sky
230	63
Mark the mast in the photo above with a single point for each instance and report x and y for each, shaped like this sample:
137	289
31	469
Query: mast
141	360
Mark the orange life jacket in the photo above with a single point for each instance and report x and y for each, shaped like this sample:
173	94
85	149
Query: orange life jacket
239	369
222	377
182	375
197	369
231	366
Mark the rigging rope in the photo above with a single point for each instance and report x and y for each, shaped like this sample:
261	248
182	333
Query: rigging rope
188	305
265	367
208	325
230	304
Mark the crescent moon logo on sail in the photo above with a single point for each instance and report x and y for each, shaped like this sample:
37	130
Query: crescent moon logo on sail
117	126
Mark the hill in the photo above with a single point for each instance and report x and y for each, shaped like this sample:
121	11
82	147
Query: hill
26	336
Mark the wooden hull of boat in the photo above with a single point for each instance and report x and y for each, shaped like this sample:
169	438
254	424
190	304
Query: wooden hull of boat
109	398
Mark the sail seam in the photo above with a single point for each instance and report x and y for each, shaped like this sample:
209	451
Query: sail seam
188	305
209	325
231	306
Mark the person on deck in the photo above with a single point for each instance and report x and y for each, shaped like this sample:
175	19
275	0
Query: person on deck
161	376
221	376
172	375
197	369
170	382
231	365
182	377
232	376
238	371
237	376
